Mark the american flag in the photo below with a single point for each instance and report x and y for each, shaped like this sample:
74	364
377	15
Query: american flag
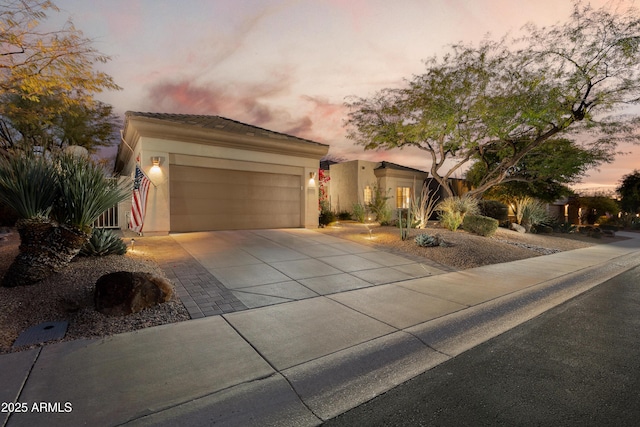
139	200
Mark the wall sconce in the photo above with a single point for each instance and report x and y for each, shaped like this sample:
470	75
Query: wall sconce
312	179
156	161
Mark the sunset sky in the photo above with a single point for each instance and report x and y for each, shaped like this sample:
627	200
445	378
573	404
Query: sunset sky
289	65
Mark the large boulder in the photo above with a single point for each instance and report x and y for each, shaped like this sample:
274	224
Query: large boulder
517	227
124	292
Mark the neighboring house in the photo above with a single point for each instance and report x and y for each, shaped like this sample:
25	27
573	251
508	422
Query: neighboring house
355	182
214	173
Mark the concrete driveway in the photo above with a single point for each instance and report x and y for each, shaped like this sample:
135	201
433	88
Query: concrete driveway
265	267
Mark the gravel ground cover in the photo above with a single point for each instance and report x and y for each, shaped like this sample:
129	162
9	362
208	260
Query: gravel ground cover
68	295
465	250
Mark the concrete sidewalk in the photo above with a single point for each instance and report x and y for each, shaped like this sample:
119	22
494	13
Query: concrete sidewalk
298	362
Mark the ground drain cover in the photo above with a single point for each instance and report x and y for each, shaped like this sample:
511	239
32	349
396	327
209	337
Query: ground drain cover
43	332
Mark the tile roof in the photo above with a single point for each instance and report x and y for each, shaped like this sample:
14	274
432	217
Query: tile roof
219	123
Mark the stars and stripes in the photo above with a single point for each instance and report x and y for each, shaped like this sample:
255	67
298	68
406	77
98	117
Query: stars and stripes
139	199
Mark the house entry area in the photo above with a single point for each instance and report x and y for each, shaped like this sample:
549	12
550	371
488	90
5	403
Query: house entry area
223	199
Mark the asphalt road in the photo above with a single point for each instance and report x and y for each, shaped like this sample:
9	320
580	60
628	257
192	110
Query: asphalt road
576	365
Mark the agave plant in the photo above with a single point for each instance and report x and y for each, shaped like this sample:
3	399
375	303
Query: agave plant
427	240
57	199
103	242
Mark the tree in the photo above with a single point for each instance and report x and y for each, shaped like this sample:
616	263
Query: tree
629	191
545	172
596	206
27	123
498	103
48	80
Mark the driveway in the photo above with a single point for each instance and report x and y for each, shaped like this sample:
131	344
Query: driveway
265	267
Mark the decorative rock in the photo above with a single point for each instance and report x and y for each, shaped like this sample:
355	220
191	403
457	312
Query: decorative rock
517	227
124	292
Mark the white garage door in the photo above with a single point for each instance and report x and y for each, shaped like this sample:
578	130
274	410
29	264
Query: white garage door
220	199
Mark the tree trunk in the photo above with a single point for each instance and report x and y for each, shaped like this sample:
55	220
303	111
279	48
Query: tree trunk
45	247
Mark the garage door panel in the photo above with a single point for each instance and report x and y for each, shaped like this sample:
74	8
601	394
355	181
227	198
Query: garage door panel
236	207
242	222
217	199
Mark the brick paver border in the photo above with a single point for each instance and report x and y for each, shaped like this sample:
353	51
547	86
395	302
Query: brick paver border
201	293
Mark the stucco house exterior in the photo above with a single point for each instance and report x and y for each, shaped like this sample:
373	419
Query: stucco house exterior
213	173
354	182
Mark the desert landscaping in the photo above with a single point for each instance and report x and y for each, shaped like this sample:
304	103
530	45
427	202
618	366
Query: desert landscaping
68	294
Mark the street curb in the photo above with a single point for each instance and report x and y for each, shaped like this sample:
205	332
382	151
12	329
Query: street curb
333	384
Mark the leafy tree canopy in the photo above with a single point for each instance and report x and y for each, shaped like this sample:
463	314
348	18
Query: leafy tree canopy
48	81
544	173
497	104
629	191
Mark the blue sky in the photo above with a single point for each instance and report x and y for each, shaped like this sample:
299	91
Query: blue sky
289	65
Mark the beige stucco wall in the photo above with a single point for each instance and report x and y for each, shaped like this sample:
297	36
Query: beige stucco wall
390	179
348	181
198	147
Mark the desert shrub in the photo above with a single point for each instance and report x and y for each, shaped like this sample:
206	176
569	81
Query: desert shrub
427	240
566	228
344	215
494	209
359	212
379	206
531	213
103	242
453	210
423	205
326	217
451	220
479	224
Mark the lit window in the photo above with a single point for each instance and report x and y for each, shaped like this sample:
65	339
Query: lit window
403	197
367	195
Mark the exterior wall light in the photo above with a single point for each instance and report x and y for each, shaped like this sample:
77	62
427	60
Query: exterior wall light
312	179
156	161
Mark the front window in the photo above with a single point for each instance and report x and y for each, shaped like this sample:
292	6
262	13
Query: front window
367	195
403	197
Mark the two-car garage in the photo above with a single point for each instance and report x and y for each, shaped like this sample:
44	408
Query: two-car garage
212	173
222	199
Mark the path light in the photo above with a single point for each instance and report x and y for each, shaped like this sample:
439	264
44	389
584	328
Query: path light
133	242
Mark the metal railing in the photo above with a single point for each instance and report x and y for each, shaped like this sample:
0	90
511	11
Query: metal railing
108	219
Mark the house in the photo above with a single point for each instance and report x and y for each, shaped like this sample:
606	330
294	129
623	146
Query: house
213	173
355	181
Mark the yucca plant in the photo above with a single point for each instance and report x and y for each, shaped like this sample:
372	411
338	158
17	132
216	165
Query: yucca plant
58	199
85	193
27	184
103	242
530	212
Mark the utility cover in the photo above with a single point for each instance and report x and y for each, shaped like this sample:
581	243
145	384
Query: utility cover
43	332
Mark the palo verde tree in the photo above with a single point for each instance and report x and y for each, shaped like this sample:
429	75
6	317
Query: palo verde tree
48	82
545	173
497	103
629	191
